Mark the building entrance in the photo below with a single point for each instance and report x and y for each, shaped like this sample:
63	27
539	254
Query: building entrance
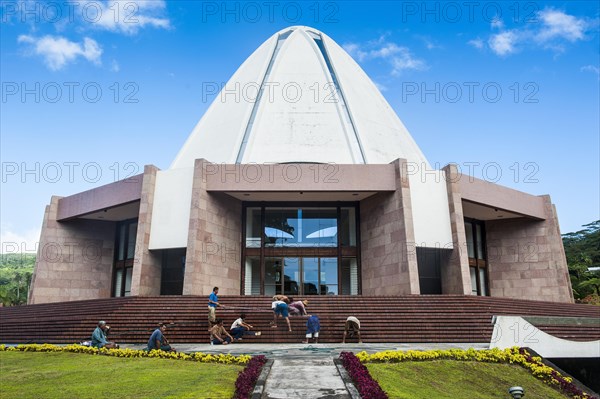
301	276
300	249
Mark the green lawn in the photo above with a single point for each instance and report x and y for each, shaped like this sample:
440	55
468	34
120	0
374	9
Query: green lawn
449	379
32	375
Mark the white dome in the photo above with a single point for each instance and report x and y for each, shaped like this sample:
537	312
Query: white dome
299	98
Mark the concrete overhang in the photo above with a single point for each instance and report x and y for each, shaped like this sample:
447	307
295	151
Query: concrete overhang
114	201
488	200
299	181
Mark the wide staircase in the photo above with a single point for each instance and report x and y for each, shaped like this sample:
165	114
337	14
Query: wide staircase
402	319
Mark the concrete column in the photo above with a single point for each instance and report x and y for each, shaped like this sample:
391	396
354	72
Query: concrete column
388	252
456	278
526	258
214	240
146	274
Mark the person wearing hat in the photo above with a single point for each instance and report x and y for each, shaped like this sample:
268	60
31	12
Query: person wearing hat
298	308
99	339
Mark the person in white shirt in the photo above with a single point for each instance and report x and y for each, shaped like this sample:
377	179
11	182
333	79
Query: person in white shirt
352	329
280	308
239	328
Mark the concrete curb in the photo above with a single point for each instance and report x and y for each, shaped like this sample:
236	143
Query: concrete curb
352	391
262	380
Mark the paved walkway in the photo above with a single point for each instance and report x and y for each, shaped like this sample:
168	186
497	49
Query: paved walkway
305	370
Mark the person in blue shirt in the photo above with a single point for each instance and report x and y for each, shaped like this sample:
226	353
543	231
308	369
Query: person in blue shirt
99	339
213	304
158	341
313	326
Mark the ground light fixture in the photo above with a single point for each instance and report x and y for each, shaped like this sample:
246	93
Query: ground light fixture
516	392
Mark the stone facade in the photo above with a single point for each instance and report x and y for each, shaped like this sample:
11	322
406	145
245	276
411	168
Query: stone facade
527	260
215	234
146	275
455	275
74	259
388	253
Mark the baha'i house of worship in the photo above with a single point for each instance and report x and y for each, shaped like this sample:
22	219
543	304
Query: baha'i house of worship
311	187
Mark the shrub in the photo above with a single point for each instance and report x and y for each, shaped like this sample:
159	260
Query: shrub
366	385
244	385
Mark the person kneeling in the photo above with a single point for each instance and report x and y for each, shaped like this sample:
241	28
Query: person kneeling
219	334
99	337
158	341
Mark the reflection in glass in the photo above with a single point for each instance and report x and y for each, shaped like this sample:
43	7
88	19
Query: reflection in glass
291	276
252	227
131	240
329	276
473	280
273	276
310	269
300	227
470	243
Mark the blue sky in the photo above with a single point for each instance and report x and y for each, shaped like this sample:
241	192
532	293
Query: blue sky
94	90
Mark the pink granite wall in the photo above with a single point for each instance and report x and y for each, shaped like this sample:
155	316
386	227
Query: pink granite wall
214	240
146	274
74	259
455	275
388	253
526	258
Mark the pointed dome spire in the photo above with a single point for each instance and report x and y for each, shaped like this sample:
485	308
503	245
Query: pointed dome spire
299	98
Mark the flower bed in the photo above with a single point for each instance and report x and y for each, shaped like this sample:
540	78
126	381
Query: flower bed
244	385
194	357
515	355
366	385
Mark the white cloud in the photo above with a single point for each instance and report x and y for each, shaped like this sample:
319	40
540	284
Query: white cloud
558	25
126	16
553	30
503	43
591	68
477	43
13	242
58	51
497	23
399	57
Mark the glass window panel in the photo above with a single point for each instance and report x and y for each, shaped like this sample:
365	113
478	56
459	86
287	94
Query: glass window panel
121	242
291	276
482	282
329	276
301	227
273	276
479	236
252	276
318	227
349	276
131	240
281	227
253	234
310	277
128	273
473	281
118	282
348	227
470	243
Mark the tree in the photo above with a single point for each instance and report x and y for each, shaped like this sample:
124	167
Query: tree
582	249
